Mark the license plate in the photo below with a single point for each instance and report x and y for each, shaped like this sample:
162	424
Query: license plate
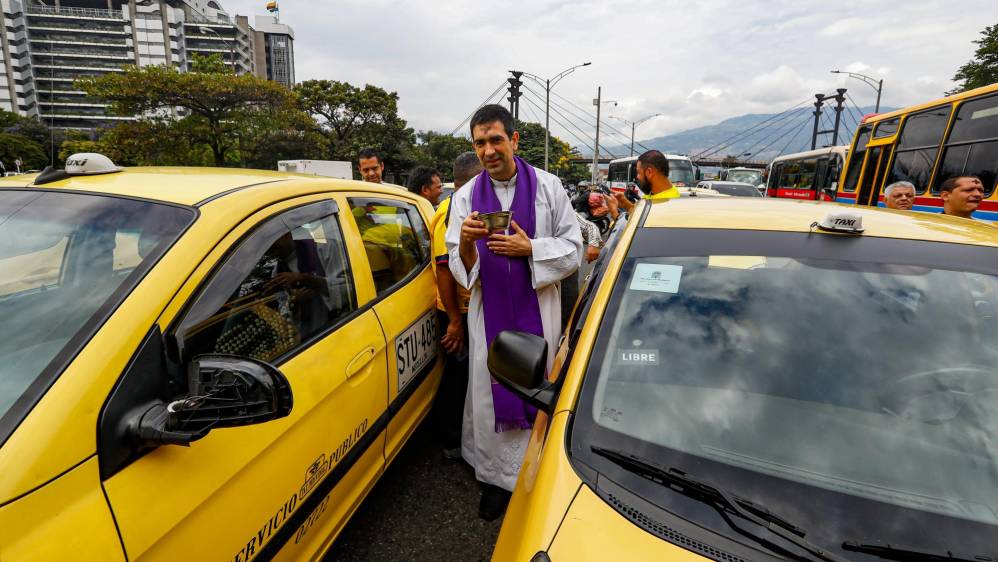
415	348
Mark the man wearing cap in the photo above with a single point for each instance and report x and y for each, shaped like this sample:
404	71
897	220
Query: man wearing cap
652	178
514	281
899	195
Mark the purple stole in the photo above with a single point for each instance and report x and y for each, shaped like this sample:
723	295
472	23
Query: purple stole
509	300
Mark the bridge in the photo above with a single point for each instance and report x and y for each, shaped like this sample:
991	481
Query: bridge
756	164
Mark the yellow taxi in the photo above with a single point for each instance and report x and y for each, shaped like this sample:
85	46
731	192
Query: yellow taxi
750	380
204	364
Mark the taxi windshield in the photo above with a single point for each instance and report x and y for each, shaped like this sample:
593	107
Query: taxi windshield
65	261
857	383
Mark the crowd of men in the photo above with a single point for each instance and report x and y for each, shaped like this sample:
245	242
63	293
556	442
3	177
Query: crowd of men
534	263
961	196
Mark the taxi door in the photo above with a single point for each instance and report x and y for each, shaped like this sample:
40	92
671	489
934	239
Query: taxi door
397	245
279	288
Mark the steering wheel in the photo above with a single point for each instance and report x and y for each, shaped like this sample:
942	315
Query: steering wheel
959	384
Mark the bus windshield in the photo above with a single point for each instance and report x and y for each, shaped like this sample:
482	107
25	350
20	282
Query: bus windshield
680	172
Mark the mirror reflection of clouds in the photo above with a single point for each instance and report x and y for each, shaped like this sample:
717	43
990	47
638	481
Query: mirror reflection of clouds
875	382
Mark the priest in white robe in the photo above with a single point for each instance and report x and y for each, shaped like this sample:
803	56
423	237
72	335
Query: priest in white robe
514	279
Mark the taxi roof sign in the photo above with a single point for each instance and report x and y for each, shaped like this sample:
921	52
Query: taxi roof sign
90	164
843	221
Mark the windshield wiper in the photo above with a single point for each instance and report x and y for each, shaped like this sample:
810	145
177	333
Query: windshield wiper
719	499
891	552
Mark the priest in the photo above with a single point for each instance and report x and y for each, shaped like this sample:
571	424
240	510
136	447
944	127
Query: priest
523	265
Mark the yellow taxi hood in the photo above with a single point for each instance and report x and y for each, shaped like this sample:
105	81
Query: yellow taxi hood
789	215
594	531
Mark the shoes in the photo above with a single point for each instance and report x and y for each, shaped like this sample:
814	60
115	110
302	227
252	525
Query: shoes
493	503
453	454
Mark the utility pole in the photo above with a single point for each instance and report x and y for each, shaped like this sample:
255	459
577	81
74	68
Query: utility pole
634	125
514	93
840	99
819	99
596	102
548	84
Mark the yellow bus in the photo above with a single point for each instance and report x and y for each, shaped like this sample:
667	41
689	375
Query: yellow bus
926	144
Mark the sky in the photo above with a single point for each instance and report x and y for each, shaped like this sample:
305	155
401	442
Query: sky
695	62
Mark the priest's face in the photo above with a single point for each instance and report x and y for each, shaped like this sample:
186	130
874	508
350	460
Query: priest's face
495	149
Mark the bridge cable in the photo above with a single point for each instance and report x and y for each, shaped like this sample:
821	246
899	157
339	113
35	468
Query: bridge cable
773	128
729	140
488	100
603	123
554	110
567	129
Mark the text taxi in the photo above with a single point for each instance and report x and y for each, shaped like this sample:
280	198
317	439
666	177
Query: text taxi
203	364
760	380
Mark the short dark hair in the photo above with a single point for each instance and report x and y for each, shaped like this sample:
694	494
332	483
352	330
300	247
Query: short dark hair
421	177
655	159
366	153
466	166
492	113
950	183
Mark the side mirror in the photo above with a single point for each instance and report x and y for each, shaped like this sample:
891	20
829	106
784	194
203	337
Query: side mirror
518	360
830	192
223	391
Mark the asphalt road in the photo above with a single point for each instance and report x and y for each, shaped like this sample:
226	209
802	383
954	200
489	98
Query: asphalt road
425	507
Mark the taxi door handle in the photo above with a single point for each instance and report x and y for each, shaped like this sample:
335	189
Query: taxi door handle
360	361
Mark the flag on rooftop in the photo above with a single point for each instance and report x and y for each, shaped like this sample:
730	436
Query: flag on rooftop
272	7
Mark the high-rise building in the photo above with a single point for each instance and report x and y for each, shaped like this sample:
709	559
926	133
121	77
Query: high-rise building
47	44
274	50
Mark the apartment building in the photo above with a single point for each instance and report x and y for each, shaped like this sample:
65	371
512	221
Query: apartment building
47	44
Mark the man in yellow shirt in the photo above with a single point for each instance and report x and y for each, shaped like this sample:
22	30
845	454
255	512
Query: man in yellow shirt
653	180
452	316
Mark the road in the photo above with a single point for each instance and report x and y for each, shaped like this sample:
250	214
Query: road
425	507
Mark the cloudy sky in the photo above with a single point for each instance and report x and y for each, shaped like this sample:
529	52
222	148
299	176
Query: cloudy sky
696	62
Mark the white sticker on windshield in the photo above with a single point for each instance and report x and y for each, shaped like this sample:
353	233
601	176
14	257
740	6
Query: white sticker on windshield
656	277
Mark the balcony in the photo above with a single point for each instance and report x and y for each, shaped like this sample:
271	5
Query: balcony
78	30
67	12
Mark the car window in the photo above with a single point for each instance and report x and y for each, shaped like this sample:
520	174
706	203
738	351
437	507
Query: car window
286	283
66	261
395	237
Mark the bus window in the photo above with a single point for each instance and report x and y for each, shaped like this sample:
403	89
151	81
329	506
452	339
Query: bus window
869	174
856	161
972	147
807	171
887	128
918	146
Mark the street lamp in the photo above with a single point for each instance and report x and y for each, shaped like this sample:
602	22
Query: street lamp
232	52
634	125
598	102
877	85
549	83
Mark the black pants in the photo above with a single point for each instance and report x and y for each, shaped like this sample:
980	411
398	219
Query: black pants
449	405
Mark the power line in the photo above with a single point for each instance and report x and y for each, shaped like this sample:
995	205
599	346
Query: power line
777	138
568	130
486	102
792	137
859	112
603	122
727	142
554	109
774	131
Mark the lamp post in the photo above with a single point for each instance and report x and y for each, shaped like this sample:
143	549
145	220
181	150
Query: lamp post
877	85
549	83
598	102
232	51
634	125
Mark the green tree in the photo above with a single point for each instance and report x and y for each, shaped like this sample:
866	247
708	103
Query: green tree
12	147
439	151
353	118
983	68
560	153
729	161
215	110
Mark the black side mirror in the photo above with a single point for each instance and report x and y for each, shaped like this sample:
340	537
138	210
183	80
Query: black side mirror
518	360
224	391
